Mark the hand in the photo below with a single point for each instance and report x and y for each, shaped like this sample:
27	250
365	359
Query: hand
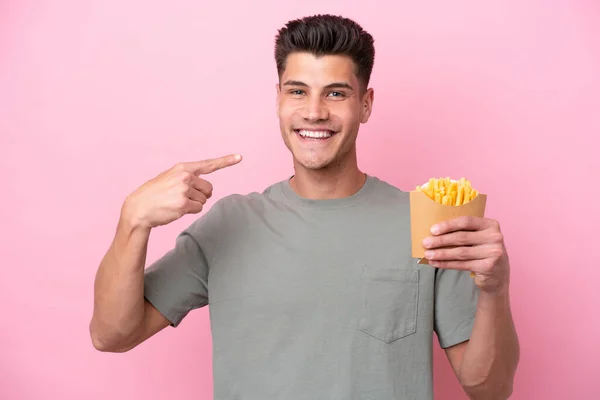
173	193
471	244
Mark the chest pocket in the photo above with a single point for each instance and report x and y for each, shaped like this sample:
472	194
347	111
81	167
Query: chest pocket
390	301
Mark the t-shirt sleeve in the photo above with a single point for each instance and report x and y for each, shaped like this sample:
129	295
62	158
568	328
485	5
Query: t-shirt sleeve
177	283
455	306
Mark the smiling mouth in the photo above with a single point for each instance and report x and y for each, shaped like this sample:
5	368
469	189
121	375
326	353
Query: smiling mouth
314	135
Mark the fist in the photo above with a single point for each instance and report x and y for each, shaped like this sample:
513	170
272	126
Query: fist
178	191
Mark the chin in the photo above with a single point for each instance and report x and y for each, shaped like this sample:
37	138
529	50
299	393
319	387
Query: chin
314	164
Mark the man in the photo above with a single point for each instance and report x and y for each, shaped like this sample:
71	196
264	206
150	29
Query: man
312	289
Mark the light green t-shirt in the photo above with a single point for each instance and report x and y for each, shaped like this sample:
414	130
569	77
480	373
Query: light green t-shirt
314	299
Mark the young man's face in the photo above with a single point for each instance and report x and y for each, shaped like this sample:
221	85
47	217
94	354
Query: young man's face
320	105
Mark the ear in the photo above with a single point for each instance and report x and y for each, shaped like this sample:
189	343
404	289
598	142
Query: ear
367	105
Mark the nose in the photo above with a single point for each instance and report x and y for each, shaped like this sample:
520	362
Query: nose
316	110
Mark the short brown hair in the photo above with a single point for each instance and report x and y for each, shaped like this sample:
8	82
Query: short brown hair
327	35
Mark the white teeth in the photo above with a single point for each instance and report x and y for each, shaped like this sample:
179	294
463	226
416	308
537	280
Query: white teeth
313	134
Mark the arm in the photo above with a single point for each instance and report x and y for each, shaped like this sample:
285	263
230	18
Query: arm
486	364
122	318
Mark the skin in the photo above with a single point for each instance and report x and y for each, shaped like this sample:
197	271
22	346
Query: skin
313	93
486	364
323	94
122	318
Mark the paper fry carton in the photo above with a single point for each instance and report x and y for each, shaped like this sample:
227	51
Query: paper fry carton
425	212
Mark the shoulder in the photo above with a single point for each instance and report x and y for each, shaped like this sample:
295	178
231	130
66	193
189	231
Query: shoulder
236	203
386	187
231	212
383	192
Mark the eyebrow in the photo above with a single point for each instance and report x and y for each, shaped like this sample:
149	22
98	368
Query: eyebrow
334	85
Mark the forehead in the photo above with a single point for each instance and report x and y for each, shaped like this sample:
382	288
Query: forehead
319	71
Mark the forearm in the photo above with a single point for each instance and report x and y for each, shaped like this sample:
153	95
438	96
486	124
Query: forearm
492	354
119	287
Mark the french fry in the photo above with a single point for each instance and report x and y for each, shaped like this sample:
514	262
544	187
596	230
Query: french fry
449	192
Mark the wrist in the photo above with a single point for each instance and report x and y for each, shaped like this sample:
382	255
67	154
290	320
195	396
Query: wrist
497	299
130	221
130	232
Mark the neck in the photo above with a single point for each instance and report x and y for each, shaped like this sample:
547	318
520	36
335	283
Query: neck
332	182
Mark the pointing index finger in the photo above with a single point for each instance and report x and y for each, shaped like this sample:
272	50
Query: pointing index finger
211	165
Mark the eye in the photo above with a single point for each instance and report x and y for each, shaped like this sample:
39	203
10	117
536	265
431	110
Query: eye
297	92
337	94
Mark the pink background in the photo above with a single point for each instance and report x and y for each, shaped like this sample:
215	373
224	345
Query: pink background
98	96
